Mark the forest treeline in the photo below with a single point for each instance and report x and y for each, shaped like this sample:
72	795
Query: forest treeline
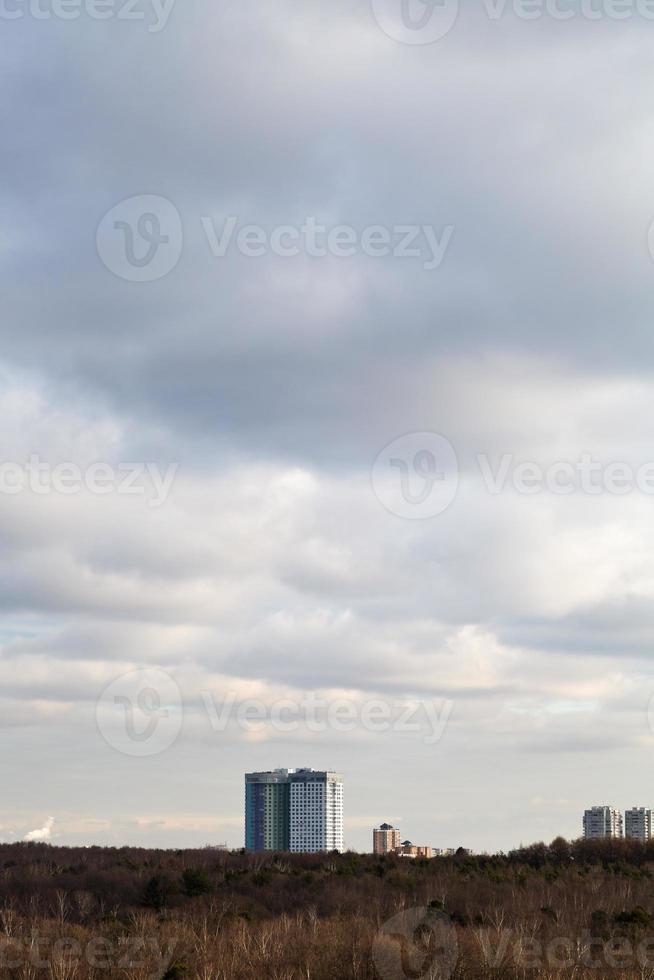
578	909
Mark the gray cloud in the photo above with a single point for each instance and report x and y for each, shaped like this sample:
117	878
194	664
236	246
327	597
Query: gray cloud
275	382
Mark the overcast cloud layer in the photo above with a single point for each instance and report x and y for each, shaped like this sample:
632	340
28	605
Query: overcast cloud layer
275	568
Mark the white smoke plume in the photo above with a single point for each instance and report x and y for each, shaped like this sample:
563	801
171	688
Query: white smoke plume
43	833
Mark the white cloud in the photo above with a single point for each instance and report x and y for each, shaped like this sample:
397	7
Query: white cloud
272	570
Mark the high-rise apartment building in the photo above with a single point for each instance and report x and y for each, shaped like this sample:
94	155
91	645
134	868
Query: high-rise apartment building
316	811
294	810
638	823
602	821
385	839
267	810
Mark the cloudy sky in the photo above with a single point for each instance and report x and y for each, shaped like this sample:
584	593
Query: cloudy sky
399	466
